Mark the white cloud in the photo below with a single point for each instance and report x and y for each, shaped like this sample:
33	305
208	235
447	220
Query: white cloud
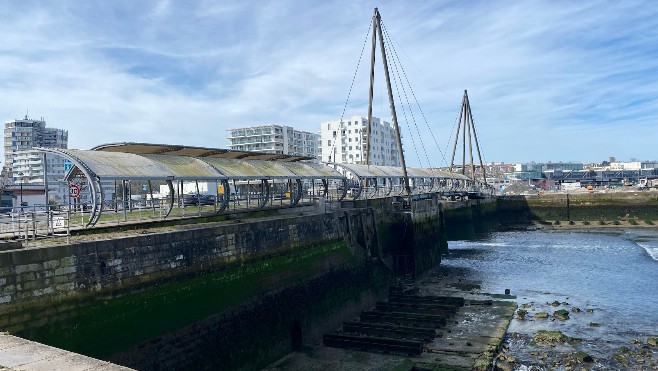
547	80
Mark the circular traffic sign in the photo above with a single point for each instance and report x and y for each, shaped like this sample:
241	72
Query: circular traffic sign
74	191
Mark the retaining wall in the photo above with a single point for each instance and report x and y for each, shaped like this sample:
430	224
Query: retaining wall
642	206
232	295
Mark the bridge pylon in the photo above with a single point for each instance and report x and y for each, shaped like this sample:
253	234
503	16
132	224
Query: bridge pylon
466	127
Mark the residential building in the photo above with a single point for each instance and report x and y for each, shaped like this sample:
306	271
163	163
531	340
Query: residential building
345	142
25	134
26	167
29	170
279	139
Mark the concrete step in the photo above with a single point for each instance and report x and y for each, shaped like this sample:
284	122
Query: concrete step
445	310
440	300
392	331
374	344
400	318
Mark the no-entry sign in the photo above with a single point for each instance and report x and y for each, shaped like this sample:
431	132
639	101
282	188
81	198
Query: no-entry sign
74	191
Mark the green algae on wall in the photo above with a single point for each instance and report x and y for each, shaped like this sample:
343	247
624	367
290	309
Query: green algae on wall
578	207
103	327
459	223
262	331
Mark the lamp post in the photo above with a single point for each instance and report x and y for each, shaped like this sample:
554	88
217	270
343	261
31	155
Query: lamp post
20	176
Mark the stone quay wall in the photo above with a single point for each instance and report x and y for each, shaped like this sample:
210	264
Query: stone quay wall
41	277
640	206
230	294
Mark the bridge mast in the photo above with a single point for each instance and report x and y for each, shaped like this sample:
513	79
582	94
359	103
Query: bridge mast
466	116
377	30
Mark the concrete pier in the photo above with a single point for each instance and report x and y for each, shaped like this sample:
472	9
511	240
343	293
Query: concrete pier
20	354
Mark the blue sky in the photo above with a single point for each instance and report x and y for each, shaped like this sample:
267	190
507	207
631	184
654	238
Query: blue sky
547	80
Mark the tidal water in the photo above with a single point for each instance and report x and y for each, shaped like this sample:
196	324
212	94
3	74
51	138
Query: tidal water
607	281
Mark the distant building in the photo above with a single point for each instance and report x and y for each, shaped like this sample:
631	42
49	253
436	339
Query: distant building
538	170
25	134
26	167
345	142
550	166
278	139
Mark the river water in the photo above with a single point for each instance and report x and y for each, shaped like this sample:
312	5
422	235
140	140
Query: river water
606	280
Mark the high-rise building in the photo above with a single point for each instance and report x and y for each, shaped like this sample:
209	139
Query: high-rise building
27	167
345	142
25	134
274	139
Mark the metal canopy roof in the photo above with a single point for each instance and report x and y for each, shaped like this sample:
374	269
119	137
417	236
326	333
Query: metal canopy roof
186	168
308	169
114	166
178	150
124	166
378	171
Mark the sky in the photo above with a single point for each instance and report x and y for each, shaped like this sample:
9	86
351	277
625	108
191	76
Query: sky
547	80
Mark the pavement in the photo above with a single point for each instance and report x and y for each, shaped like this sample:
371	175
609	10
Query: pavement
25	355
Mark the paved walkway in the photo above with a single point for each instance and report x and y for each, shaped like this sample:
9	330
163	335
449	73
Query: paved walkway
25	355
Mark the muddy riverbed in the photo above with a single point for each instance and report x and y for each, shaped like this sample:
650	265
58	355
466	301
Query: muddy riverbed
587	299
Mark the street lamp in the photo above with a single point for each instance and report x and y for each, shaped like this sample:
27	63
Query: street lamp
20	176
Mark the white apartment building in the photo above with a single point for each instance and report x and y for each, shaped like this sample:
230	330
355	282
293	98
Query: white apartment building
279	139
26	167
345	142
29	170
25	134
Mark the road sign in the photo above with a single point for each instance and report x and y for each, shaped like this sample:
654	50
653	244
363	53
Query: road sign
67	165
74	191
60	222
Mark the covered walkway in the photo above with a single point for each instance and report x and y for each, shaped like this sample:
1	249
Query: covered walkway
373	181
270	176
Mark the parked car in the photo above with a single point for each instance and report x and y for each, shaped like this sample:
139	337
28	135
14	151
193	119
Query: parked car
206	199
190	199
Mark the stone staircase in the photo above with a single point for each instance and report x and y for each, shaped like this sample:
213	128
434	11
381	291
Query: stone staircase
403	324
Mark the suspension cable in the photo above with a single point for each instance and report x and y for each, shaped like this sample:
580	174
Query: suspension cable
483	160
396	77
404	112
415	98
395	57
349	93
454	125
356	71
